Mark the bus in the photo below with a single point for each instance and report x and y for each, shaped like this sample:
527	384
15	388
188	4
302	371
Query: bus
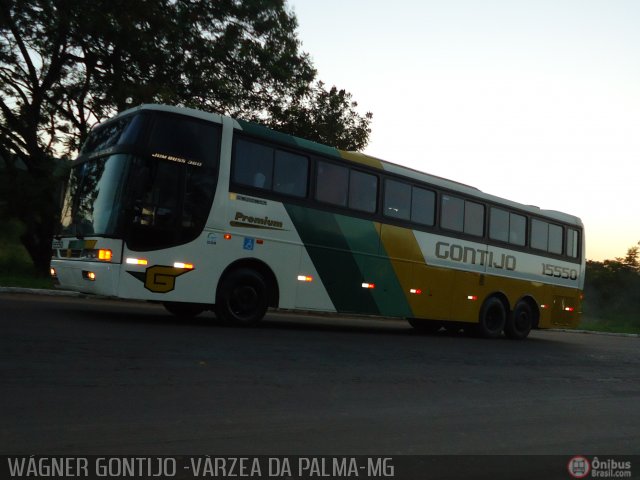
200	211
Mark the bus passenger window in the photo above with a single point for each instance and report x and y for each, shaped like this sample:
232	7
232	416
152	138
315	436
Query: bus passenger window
499	225
363	191
423	206
253	164
555	239
290	174
517	229
473	218
539	234
397	199
332	184
452	213
572	243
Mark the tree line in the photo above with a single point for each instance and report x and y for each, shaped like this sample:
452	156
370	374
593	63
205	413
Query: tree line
68	64
612	287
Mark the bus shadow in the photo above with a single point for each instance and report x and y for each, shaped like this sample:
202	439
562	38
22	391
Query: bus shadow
155	315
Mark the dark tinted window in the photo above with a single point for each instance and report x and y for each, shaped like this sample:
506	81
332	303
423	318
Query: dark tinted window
546	236
452	213
473	218
121	131
539	234
397	199
517	229
363	191
332	184
290	174
262	166
507	227
183	140
462	215
253	164
423	206
499	225
572	242
555	239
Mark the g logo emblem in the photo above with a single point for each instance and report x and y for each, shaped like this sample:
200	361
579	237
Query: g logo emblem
161	279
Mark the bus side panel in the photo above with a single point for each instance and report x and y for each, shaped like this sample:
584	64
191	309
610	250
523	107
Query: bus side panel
354	269
427	289
331	255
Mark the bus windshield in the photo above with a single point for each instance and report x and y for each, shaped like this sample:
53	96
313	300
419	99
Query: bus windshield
153	187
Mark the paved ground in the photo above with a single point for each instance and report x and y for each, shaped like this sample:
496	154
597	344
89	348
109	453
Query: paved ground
98	376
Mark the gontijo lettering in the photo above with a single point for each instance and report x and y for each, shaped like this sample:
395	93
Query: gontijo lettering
474	256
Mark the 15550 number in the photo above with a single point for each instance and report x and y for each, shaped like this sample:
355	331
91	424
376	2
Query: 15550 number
559	272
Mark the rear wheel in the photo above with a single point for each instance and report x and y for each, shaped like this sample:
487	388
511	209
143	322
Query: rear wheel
242	297
520	322
184	310
493	316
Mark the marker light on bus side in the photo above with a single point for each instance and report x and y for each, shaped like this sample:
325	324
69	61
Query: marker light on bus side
188	266
137	261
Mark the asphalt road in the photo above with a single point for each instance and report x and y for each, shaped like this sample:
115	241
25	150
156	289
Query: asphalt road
83	376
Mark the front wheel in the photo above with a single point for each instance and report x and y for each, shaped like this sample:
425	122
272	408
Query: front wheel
242	297
520	322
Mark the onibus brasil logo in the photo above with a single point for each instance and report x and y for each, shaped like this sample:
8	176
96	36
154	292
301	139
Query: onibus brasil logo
581	467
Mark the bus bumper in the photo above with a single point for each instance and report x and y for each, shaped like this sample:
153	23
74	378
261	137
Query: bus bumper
87	277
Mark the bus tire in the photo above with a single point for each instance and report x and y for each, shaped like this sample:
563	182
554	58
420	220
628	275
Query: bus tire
184	310
492	319
242	298
424	326
520	322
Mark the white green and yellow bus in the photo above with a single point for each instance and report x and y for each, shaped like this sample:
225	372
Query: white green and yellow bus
199	211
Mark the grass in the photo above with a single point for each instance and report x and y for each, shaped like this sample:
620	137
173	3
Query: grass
25	281
616	323
16	268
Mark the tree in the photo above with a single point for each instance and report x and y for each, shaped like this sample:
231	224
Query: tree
326	116
631	260
611	287
66	64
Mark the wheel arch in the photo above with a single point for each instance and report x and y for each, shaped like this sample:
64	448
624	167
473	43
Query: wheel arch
535	309
500	296
263	269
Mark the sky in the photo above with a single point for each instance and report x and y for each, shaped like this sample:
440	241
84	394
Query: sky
537	101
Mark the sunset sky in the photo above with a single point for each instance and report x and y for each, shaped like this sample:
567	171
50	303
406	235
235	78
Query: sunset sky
535	101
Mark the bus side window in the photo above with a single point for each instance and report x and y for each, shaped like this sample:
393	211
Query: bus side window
539	234
517	229
473	218
253	164
397	199
332	184
572	243
555	239
363	191
452	213
290	174
423	206
499	225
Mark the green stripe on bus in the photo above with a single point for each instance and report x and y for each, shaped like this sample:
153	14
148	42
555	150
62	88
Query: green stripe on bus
334	260
363	237
286	139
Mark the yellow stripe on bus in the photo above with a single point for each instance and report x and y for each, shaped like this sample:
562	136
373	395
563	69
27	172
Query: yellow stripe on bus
361	158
